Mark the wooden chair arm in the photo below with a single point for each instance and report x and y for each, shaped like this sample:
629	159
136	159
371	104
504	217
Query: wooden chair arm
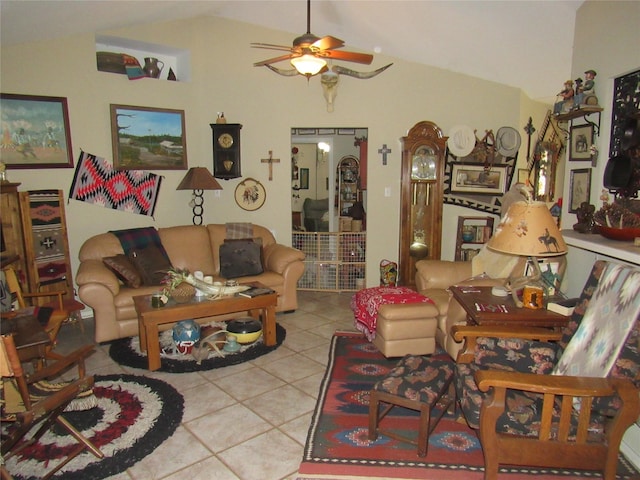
53	293
470	334
551	387
62	363
553	384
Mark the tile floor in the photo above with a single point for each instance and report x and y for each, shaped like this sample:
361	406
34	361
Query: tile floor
243	422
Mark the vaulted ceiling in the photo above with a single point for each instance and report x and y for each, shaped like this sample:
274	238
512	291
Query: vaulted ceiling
525	44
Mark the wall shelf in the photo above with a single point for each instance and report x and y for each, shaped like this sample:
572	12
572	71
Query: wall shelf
177	59
583	112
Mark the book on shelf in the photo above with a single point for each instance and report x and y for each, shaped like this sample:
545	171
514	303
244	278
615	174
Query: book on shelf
563	307
256	292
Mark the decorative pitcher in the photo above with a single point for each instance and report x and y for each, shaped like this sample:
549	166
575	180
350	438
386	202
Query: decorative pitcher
151	67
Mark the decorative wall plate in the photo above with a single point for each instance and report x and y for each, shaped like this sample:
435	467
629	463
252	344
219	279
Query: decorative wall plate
250	194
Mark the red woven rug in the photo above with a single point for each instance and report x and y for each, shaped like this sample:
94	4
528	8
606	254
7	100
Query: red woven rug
338	447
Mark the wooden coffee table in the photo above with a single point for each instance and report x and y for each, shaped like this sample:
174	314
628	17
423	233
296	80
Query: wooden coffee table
150	319
483	308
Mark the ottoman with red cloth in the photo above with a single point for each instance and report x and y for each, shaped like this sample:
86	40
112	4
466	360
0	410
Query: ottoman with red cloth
398	320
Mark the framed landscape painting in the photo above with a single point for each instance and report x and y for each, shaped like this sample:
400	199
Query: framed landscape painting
35	132
145	138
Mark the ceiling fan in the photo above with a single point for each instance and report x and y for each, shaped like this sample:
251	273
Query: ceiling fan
309	53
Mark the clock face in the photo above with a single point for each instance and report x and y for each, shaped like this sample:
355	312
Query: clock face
225	140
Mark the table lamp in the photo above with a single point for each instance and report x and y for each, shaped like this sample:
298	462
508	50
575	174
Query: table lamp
528	229
198	179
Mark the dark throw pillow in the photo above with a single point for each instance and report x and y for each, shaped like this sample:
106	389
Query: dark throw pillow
151	263
124	269
240	258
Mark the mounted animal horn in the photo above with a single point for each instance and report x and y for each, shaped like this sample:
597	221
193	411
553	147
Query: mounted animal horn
362	75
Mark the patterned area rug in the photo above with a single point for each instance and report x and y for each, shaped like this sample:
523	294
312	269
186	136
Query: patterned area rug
126	351
135	414
338	446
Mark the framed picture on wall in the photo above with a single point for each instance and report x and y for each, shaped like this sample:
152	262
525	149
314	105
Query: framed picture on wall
145	138
35	132
581	141
477	179
579	188
304	179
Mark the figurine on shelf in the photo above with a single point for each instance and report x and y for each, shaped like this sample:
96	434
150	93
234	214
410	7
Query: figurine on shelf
566	103
586	222
586	94
3	173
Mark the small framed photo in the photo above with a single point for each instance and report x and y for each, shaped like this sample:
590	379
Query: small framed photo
145	138
467	178
523	176
35	132
326	131
579	188
581	141
306	131
346	131
304	179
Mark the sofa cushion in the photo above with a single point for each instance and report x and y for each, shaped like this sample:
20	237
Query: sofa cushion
240	258
151	263
124	269
137	238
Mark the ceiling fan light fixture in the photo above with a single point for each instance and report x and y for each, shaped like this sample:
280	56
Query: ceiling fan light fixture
308	64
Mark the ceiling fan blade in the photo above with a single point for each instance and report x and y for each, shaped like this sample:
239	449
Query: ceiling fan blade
347	56
270	46
328	43
273	60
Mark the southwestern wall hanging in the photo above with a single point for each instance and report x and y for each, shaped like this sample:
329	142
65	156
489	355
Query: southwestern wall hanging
95	181
478	172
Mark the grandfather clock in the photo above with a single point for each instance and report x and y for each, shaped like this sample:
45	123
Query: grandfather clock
421	198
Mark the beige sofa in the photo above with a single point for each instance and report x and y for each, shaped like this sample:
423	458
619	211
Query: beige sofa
433	278
188	247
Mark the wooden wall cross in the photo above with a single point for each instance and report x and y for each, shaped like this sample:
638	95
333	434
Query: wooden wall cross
270	161
384	151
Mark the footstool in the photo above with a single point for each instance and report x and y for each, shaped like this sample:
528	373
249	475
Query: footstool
417	383
397	320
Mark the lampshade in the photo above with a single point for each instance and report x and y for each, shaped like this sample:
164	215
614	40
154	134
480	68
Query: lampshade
199	178
528	229
308	64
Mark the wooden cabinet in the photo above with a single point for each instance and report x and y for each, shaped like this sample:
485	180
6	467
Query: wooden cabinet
34	231
472	234
12	243
421	198
348	179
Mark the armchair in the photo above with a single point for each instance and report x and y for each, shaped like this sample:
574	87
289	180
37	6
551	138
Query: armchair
314	215
533	398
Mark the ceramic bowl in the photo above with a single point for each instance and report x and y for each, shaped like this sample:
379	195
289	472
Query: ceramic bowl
622	234
246	329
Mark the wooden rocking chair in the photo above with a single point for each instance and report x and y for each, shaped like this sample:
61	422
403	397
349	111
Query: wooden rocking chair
45	410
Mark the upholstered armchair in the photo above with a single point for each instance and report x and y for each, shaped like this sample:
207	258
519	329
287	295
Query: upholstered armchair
557	399
315	212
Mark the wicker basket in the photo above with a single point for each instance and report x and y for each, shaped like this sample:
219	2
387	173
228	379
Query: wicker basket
183	293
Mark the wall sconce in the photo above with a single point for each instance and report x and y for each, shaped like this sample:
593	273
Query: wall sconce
198	179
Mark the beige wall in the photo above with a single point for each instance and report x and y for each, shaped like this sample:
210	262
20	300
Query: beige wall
607	40
268	105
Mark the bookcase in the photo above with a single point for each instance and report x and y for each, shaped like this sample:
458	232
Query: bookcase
472	233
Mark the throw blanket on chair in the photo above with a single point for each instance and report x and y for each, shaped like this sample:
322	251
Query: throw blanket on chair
95	181
44	215
138	238
237	231
365	305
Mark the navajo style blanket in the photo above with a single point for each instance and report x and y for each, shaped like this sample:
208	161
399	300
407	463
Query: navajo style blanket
95	181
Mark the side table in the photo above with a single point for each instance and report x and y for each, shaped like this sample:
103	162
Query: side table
483	308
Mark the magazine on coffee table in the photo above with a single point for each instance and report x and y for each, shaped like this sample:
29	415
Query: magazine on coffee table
256	292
